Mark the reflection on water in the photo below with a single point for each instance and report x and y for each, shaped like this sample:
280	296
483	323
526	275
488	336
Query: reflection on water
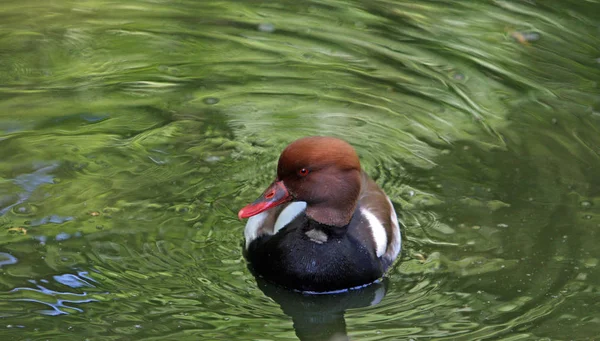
322	317
132	132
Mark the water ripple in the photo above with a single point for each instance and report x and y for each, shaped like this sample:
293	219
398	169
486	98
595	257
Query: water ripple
128	146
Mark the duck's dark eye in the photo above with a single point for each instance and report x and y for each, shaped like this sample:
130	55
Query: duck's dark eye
303	172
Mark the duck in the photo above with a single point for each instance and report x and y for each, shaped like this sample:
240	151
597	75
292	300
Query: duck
323	225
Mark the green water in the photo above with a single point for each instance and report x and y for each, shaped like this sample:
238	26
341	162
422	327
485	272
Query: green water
131	132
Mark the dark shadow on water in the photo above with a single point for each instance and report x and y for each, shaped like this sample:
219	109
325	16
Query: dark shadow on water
322	317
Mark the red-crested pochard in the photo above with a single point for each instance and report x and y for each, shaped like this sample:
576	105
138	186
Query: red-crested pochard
323	225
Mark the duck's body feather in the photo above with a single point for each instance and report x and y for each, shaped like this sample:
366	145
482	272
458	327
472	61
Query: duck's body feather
286	246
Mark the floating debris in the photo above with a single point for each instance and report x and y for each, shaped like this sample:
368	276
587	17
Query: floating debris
266	27
459	77
421	257
525	37
211	100
20	230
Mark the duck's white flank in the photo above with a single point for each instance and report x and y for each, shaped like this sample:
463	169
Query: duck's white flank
377	230
396	242
254	223
288	214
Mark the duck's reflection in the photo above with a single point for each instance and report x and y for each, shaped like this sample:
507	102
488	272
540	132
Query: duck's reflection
322	317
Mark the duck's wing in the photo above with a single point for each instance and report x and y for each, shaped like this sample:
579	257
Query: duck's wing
379	211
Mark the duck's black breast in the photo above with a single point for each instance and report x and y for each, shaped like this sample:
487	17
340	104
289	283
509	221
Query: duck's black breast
309	256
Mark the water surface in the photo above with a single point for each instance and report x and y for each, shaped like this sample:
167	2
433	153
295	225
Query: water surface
131	133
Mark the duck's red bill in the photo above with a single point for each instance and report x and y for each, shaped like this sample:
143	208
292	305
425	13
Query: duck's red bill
275	195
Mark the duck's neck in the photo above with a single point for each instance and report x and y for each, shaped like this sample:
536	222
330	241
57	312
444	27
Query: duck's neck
334	212
337	200
330	216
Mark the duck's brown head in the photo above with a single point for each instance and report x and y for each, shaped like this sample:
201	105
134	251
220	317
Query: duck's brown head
322	171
